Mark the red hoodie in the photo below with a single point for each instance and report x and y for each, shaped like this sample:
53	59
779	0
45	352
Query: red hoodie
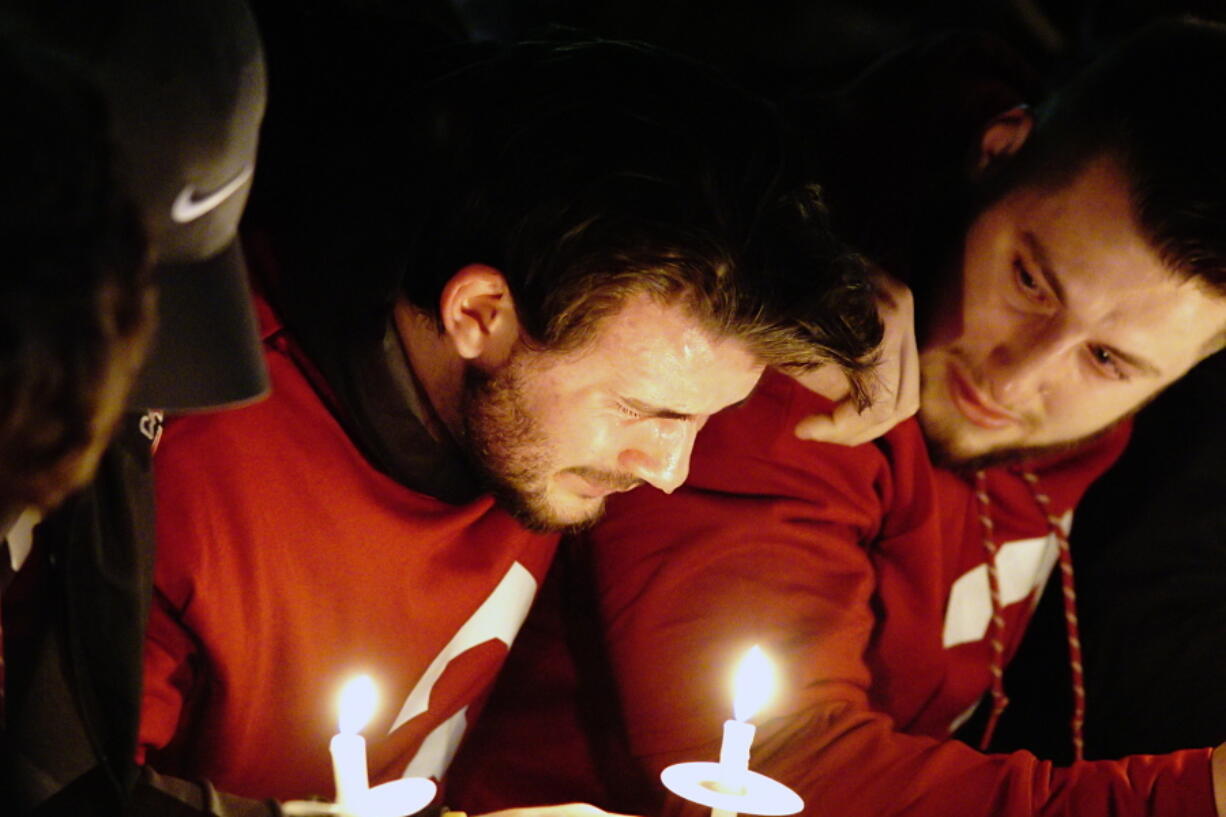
286	564
861	571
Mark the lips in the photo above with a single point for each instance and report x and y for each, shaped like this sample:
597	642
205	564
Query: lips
591	490
976	406
598	485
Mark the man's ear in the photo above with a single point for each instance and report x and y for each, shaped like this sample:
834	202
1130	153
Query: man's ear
478	315
1001	138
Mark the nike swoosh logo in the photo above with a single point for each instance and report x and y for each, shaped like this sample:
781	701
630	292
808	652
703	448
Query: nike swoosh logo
187	207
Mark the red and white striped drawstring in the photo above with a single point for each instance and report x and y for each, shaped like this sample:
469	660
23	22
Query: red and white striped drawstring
996	634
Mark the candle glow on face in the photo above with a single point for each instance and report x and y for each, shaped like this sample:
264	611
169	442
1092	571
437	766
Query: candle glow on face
357	704
752	684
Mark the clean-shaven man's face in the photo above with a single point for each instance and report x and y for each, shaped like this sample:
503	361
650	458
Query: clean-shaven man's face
1063	322
556	433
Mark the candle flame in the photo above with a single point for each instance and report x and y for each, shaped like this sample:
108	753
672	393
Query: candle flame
357	703
752	684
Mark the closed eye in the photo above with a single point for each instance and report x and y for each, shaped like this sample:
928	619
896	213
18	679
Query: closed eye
633	410
628	412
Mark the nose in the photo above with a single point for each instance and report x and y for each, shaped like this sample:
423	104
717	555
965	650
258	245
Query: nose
1023	366
661	455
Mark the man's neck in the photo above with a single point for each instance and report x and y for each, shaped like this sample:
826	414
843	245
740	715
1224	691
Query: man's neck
437	370
389	412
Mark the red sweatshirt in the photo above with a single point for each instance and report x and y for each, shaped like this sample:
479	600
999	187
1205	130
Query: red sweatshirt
861	572
287	564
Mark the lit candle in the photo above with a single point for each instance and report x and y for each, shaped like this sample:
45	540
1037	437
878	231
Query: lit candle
752	685
728	788
348	748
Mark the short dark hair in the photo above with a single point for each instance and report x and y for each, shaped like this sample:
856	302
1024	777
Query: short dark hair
1156	105
75	295
591	171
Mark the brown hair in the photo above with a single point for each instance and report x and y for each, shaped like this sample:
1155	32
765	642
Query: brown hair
589	172
75	295
1156	104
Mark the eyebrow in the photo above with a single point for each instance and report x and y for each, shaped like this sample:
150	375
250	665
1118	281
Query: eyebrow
1047	270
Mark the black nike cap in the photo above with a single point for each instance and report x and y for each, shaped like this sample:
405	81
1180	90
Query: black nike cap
185	87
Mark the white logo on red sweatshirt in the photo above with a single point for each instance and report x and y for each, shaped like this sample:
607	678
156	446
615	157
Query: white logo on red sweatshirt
1023	567
498	618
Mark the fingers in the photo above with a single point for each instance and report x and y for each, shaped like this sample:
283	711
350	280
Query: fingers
894	387
907	392
890	292
828	381
846	426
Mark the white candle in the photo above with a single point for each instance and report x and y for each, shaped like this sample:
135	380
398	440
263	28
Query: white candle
348	748
734	751
752	685
728	787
